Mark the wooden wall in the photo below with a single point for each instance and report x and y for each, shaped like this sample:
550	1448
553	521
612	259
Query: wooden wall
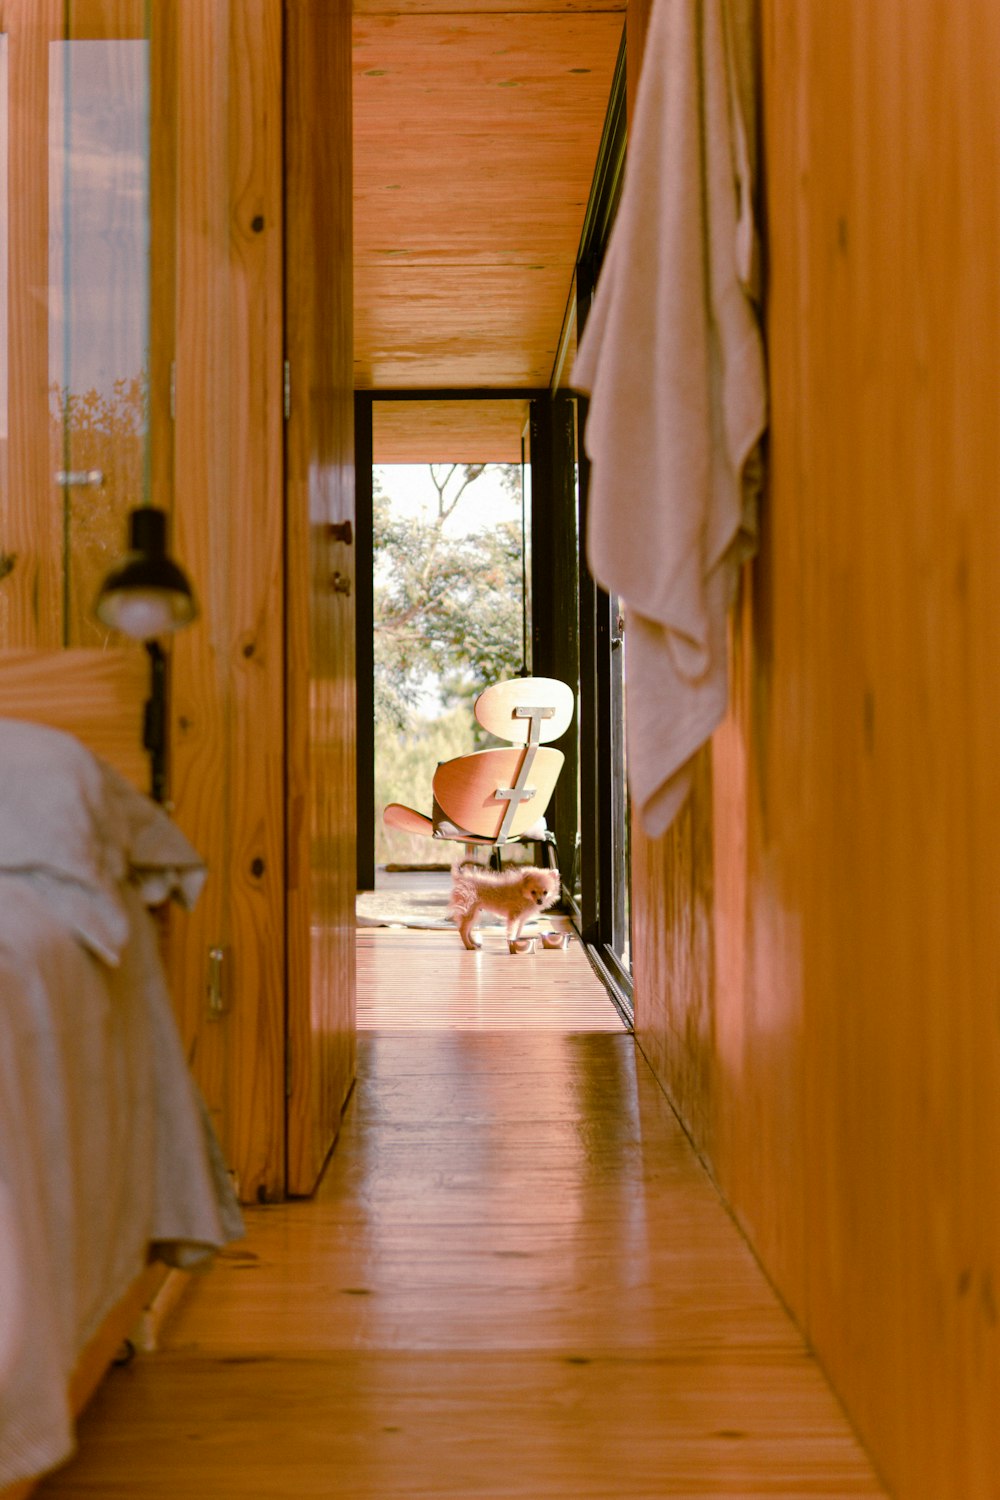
31	612
262	690
817	969
228	677
322	858
263	702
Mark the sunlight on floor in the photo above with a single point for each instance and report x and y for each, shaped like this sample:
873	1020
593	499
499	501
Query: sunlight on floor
421	978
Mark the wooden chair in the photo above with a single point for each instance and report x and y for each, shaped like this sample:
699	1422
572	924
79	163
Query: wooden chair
499	796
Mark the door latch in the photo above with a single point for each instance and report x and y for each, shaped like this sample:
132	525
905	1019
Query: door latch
216	988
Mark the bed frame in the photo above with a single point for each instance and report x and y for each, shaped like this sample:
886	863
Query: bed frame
100	697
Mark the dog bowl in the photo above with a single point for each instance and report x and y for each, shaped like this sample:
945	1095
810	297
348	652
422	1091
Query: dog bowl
522	945
555	939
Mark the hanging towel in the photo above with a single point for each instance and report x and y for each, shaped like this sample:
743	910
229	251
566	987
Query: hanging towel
672	357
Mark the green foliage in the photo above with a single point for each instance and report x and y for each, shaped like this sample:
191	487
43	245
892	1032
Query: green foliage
91	430
447	606
405	764
447	622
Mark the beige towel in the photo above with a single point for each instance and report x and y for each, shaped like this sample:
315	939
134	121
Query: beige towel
673	358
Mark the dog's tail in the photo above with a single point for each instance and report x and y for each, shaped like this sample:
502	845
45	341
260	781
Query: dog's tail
463	890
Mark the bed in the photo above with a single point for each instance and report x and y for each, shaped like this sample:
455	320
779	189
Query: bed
109	1170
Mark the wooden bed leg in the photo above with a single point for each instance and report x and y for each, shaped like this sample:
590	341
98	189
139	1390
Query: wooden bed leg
138	1318
157	1312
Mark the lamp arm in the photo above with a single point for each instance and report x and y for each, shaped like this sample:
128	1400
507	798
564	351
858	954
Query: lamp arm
154	721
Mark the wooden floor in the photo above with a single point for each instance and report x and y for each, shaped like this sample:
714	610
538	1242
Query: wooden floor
515	1281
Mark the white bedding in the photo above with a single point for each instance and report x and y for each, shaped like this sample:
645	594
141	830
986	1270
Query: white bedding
106	1156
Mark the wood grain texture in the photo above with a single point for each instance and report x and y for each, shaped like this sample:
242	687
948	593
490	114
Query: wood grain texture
515	1280
833	1045
476	135
228	708
99	696
97	1354
462	7
30	511
199	692
407	820
465	788
419	982
19	1491
435	432
320	623
496	708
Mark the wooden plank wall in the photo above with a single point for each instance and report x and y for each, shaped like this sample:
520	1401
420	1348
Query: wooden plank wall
228	680
218	452
30	512
321	591
816	963
96	695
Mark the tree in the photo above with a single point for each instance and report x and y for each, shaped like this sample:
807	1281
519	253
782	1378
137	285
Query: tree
447	604
94	430
106	433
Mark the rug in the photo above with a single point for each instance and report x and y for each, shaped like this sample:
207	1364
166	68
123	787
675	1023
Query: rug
429	909
403	908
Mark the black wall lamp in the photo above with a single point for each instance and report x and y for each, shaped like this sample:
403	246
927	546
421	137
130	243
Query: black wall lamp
146	595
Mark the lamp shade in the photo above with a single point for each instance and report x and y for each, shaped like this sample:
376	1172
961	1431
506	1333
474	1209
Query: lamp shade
146	594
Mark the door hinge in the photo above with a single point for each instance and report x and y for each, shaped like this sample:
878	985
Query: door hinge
288	389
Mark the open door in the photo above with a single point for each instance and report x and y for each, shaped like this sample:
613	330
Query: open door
321	572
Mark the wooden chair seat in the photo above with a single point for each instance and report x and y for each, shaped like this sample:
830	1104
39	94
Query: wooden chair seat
499	796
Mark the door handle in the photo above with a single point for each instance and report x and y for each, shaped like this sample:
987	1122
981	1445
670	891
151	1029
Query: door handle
340	531
79	476
340	583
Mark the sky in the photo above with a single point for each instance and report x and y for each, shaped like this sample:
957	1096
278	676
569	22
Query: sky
413	494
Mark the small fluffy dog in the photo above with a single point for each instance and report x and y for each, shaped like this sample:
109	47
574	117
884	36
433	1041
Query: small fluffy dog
515	894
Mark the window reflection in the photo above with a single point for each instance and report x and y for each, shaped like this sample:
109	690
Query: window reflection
6	561
98	305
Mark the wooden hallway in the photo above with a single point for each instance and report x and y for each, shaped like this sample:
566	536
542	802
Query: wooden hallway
515	1280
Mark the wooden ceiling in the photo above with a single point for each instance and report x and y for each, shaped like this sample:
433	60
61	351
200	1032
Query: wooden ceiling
476	132
448	432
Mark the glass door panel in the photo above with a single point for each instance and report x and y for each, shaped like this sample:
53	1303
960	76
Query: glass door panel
98	306
7	559
75	103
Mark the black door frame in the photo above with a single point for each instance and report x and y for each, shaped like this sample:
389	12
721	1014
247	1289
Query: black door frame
604	808
574	623
364	626
364	593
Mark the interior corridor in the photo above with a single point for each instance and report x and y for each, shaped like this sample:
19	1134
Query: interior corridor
516	1279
